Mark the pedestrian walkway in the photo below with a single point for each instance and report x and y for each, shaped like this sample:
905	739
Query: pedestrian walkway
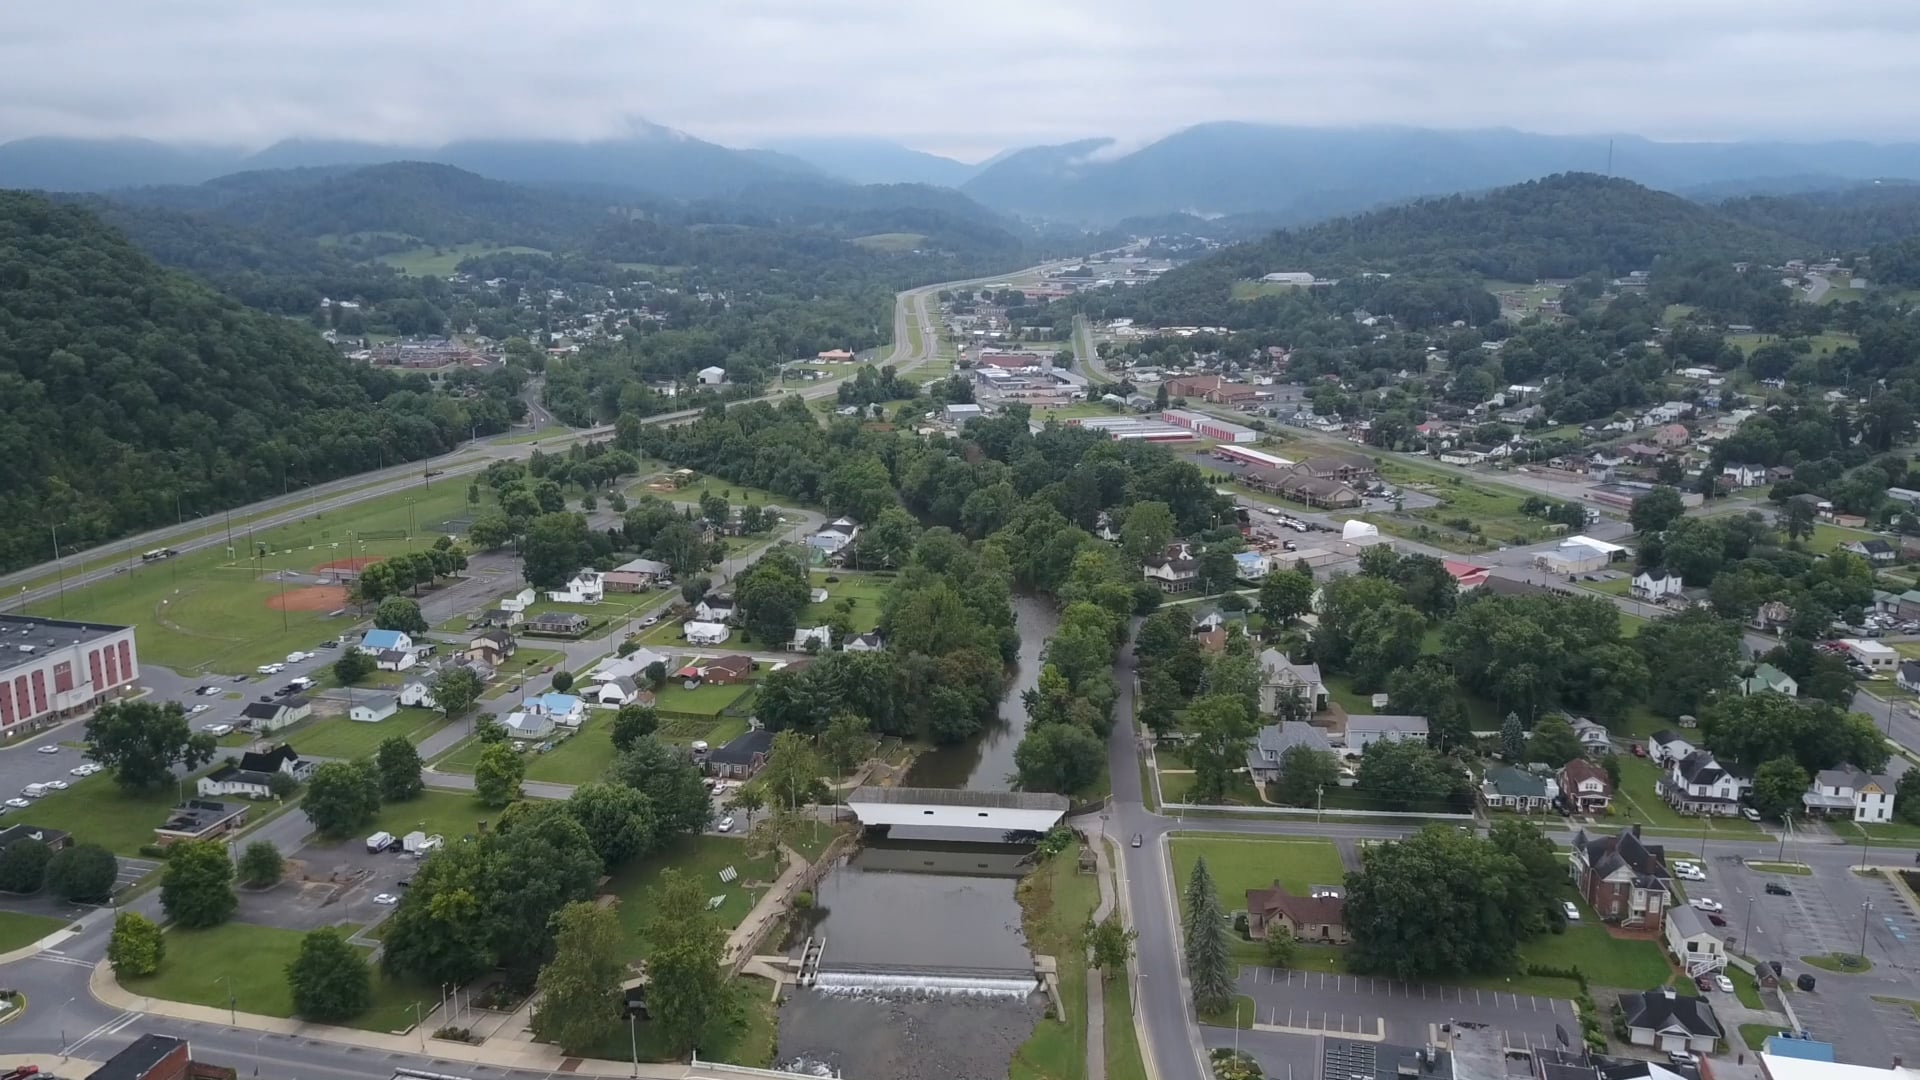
771	905
1096	980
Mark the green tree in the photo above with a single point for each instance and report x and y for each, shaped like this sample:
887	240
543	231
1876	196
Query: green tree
1109	945
1655	510
398	764
1691	657
1062	757
684	947
1279	949
1906	797
1553	742
1541	882
329	979
563	680
23	865
85	872
771	595
142	742
1438	903
261	864
1797	520
1285	595
1221	726
497	775
632	723
454	690
343	797
490	530
353	666
1404	773
1778	785
1305	774
400	613
671	782
619	821
556	545
136	946
791	775
579	989
846	741
1513	738
1147	530
196	887
1209	968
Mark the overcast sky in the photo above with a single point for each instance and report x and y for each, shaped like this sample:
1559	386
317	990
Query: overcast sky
965	79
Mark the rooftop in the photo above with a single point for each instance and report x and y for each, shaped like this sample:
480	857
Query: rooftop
1007	800
137	1060
24	637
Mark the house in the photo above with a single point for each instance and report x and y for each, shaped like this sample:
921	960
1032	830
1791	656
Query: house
1878	552
635	575
252	776
518	602
1771	616
1346	468
1279	676
498	642
153	1057
716	609
558	624
618	692
1210	627
961	414
1768	677
833	538
1871	655
1364	731
1664	746
1273	742
373	708
1465	575
1745	476
394	659
1585	787
502	618
1665	1020
1509	787
200	819
264	717
1594	738
585	587
811	638
527	724
376	642
565	709
712	376
706	633
1699	784
634	666
743	757
1320	918
1250	566
1908	677
1671	436
1647	586
417	695
55	839
1173	570
1847	791
1693	944
727	670
1622	879
867	642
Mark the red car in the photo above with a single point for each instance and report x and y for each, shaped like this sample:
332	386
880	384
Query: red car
1639	751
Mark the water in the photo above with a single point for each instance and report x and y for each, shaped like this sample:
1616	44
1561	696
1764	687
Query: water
911	905
908	984
986	763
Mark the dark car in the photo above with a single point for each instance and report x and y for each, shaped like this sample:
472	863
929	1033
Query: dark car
1704	982
1774	888
1717	920
329	644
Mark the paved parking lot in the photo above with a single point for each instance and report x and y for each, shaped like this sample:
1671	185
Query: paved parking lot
1359	1004
334	884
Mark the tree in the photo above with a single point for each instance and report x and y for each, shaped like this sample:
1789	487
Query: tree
1285	595
1209	968
353	666
496	776
1279	949
136	946
400	613
1438	903
343	797
1655	510
684	949
1553	742
454	690
398	764
261	864
771	595
632	723
618	820
1405	773
579	989
1305	773
85	872
1147	530
1755	729
556	545
563	680
1221	725
1109	945
142	742
1691	657
846	741
671	782
792	771
1777	787
1513	738
329	980
489	530
1906	797
1797	520
23	865
1062	757
196	888
1537	888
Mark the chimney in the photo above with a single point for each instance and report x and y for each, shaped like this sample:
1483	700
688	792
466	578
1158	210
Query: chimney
1668	991
1636	832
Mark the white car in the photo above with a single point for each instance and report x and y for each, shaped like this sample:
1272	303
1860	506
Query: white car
82	770
1703	904
198	709
218	730
386	898
49	748
18	803
1723	984
266	669
296	657
726	824
1573	913
57	785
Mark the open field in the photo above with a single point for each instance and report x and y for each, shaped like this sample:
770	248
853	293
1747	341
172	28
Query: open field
702	858
1056	900
96	811
339	737
451	814
18	930
1238	864
1175	786
1823	344
440	262
1494	509
212	610
580	758
246	964
1827	537
703	700
890	241
866	591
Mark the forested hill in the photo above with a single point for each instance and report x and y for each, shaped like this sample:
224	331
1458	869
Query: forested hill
124	387
1838	221
1560	226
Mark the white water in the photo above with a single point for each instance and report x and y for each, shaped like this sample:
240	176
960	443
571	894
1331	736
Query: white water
889	984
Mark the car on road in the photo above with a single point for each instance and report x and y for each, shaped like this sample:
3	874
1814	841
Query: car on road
1774	888
217	730
650	620
726	824
1573	913
1701	903
1723	984
386	898
547	669
48	748
1688	871
1137	838
298	657
198	709
84	770
18	803
330	644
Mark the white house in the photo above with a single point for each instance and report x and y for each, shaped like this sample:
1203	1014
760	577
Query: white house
528	724
268	716
707	633
1594	738
1648	587
1699	784
1745	476
833	537
715	609
618	692
373	708
252	776
712	376
417	695
376	642
1664	746
585	587
1281	677
1250	565
395	659
868	642
815	637
1364	731
1174	570
565	709
1850	791
634	665
1693	943
518	602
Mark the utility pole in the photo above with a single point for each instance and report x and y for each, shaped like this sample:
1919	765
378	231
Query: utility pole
59	570
1866	908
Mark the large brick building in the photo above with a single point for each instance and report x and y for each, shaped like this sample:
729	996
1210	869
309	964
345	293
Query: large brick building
54	668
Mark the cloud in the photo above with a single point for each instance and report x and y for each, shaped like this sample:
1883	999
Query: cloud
962	78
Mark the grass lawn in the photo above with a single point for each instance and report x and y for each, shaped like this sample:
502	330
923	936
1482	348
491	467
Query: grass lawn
1640	804
1123	1043
615	606
440	262
578	759
208	610
199	963
1608	961
451	814
1839	963
749	1042
1175	786
1056	900
339	737
1896	832
890	241
1823	344
1827	537
1238	864
701	857
1800	869
1756	1035
1745	988
865	590
1249	289
17	930
1494	508
702	700
96	811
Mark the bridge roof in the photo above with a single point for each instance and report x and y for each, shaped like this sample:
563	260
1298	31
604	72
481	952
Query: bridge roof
1003	800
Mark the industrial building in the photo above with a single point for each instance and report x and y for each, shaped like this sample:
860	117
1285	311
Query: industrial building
1207	427
1127	427
51	669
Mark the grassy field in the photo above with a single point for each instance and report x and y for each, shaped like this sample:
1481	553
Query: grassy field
704	700
1892	832
1174	787
246	964
209	610
339	737
1056	900
1640	803
1608	961
440	262
749	1042
1238	864
96	811
1494	508
866	590
578	759
451	814
18	930
890	241
1823	344
701	857
1827	537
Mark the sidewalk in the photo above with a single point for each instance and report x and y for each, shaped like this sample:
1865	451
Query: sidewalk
771	905
1096	980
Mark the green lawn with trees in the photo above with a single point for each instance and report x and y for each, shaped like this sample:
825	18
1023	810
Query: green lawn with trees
700	858
340	737
18	929
451	814
1239	864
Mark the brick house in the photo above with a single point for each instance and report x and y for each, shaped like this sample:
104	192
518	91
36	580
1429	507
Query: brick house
1621	878
1320	917
1585	786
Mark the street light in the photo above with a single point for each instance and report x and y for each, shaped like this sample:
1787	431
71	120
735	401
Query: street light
1866	908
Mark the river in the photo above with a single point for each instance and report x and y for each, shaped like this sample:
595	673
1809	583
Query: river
986	763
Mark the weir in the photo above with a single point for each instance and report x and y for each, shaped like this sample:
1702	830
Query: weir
977	983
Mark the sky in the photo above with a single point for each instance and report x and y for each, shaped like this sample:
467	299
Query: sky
963	79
